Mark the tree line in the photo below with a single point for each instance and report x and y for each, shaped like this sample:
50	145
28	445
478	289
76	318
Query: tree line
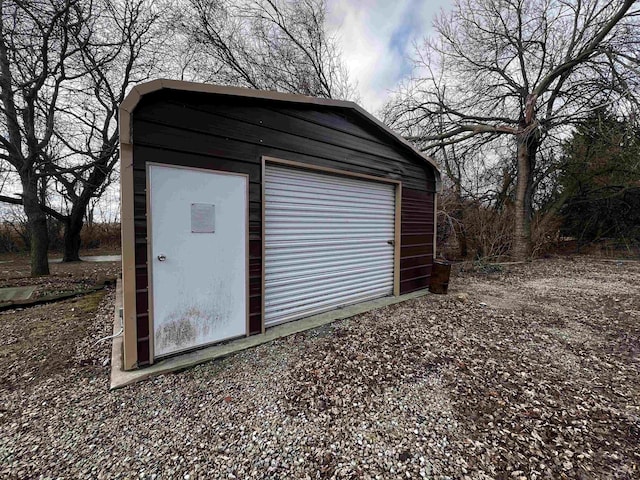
500	88
66	65
530	107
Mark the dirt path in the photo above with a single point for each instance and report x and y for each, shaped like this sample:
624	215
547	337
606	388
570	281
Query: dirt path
530	373
551	381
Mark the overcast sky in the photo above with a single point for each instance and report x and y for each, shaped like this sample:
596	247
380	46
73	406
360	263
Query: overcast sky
377	38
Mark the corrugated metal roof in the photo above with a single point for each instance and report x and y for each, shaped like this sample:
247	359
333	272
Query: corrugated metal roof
133	98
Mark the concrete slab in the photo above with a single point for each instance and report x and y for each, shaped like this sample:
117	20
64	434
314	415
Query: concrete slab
94	258
121	378
117	373
10	294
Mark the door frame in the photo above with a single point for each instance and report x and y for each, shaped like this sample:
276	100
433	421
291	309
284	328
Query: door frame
338	173
152	357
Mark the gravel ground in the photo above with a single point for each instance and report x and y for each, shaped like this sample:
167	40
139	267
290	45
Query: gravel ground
527	373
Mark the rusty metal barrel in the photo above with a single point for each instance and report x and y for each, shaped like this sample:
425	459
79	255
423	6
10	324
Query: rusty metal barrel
440	273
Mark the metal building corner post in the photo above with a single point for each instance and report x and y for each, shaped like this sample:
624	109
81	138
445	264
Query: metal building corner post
127	222
435	225
130	352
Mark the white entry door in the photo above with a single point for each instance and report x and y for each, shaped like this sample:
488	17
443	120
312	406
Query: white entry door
198	257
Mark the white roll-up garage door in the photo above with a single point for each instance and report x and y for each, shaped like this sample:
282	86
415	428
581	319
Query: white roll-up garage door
328	242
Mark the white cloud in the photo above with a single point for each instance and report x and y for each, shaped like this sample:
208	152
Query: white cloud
376	37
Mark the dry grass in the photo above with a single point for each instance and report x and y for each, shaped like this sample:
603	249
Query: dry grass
96	236
44	339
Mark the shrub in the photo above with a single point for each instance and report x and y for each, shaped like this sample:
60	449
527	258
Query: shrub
101	235
14	236
470	229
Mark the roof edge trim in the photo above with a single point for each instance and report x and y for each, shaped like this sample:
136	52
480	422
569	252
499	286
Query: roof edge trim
135	95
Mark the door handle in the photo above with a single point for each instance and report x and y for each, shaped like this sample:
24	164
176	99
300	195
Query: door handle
162	257
391	242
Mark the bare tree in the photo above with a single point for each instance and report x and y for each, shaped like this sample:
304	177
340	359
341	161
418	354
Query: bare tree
66	65
88	126
119	47
524	69
267	44
40	47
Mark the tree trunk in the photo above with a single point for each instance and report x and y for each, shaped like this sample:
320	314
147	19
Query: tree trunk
72	242
523	203
522	227
458	215
37	224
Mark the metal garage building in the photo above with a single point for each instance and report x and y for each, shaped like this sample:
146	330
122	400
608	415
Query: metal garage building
243	209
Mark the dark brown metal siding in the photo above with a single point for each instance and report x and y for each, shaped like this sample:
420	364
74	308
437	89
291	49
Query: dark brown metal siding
416	250
232	134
